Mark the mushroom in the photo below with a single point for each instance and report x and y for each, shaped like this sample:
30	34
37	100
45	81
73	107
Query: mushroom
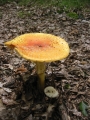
51	92
40	48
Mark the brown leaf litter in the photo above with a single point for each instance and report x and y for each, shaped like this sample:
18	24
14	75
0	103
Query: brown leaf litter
20	98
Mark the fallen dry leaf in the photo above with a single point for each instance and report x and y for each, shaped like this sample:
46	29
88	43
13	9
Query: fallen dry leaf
8	101
21	69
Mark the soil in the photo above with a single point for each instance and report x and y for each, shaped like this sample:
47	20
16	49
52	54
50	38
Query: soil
20	98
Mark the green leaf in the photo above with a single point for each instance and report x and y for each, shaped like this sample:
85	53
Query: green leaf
83	107
67	86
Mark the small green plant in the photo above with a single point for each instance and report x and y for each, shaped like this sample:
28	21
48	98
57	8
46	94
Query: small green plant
67	86
83	106
23	14
73	15
24	2
5	1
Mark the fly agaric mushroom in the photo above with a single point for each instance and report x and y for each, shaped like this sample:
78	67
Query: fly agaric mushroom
40	48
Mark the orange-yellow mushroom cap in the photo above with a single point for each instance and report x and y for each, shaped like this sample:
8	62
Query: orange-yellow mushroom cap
40	47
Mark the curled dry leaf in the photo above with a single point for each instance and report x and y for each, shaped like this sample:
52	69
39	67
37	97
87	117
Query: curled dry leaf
75	111
21	69
8	101
1	105
1	84
9	66
8	90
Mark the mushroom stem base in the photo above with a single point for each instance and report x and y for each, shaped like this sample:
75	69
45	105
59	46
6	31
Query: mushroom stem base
40	69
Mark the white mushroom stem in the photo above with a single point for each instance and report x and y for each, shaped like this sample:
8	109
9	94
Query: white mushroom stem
40	69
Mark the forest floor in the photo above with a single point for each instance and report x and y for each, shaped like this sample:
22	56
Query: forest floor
19	95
